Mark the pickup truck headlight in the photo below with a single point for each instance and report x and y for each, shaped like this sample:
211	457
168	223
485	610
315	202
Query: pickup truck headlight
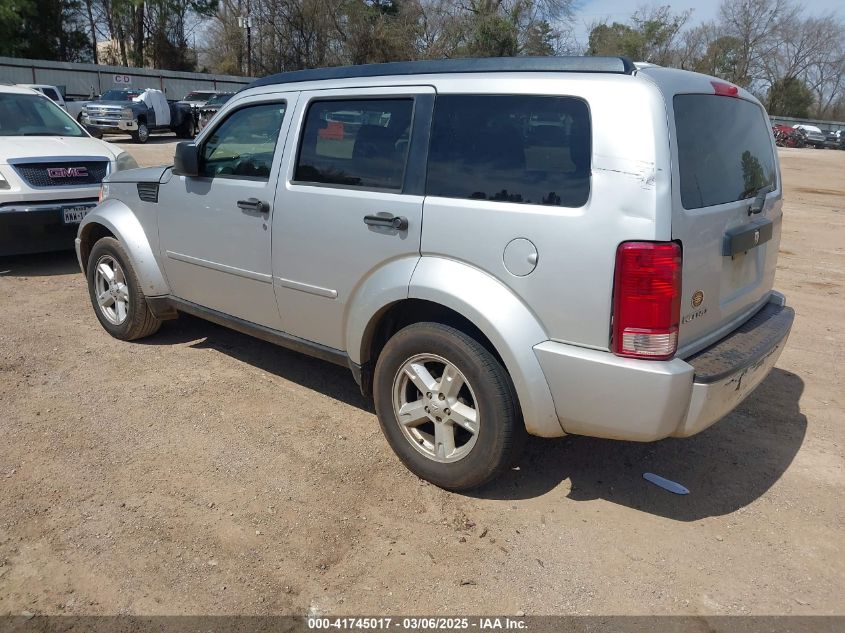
4	184
126	113
125	161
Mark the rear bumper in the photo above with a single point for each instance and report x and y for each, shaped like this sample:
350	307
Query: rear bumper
602	395
38	227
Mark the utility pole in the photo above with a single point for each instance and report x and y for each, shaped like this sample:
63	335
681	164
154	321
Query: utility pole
245	22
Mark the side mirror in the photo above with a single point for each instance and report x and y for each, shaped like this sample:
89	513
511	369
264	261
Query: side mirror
187	159
94	131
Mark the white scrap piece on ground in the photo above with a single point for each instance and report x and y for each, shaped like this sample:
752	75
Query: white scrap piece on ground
666	484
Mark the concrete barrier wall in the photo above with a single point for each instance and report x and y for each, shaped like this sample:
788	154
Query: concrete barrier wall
81	80
824	126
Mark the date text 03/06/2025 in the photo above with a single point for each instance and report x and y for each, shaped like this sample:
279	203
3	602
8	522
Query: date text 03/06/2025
416	623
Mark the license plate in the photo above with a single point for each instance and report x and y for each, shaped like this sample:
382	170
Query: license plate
74	215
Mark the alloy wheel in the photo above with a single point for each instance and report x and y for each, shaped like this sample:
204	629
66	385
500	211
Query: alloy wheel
436	408
111	290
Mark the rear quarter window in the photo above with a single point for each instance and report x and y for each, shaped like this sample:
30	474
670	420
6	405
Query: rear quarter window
724	149
511	148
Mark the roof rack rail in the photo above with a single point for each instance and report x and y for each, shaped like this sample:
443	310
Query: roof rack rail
615	65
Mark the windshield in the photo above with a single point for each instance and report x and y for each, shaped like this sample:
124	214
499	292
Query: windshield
219	100
120	95
198	96
34	115
731	164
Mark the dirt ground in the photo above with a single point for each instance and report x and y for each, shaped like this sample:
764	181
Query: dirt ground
203	472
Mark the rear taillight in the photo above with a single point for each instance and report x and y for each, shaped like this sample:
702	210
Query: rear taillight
646	299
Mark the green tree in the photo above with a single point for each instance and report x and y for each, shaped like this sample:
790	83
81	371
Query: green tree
44	30
723	59
540	40
12	13
376	31
790	97
492	34
616	39
649	37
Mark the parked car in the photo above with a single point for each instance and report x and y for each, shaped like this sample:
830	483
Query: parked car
211	107
834	139
480	282
50	172
812	135
139	112
73	106
198	98
786	136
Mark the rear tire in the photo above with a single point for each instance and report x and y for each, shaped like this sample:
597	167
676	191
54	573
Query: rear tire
115	293
187	129
461	424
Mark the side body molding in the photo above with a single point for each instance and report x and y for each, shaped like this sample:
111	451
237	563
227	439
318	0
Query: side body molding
505	321
122	222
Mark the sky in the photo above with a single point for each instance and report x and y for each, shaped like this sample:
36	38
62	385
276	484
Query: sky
588	11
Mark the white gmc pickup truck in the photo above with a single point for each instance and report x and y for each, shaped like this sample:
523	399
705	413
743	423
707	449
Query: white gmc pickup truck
50	172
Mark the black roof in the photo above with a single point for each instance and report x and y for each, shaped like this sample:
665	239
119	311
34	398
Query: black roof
616	65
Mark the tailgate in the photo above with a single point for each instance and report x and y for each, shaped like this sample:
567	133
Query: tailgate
726	212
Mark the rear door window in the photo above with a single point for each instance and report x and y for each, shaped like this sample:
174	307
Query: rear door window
511	148
360	143
724	149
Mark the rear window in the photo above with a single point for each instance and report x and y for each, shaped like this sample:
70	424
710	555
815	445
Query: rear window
511	148
724	150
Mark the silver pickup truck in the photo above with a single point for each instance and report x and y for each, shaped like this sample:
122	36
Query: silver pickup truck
494	247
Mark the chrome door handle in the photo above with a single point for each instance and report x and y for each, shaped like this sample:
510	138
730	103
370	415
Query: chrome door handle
254	205
397	222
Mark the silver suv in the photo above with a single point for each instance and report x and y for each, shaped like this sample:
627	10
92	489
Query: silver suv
493	246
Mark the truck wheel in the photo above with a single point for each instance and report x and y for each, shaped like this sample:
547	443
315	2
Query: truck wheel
116	294
447	406
142	134
186	130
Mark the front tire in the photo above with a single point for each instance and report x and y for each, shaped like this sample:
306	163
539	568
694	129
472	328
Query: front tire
142	134
115	293
447	406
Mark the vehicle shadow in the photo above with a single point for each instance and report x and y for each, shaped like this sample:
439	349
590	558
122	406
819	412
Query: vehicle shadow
40	264
725	468
154	139
326	378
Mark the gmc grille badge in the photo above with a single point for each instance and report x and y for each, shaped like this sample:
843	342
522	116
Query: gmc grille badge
67	172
